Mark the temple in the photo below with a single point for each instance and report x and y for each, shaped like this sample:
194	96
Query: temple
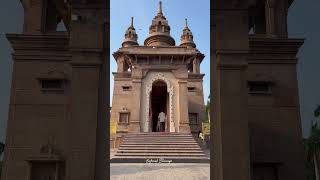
158	76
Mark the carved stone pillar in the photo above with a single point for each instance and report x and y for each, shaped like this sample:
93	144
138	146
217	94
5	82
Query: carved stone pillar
120	64
183	108
196	66
135	117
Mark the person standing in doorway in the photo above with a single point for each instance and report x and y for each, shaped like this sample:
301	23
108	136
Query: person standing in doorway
161	118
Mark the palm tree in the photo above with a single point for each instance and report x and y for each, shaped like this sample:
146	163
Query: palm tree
312	145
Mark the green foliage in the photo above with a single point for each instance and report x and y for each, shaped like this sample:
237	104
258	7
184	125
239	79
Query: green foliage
317	111
1	148
207	108
0	169
1	152
312	147
312	144
309	171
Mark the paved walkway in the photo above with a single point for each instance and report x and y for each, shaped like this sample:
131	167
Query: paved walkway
179	171
159	171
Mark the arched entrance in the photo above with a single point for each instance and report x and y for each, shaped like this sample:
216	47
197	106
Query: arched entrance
159	103
170	125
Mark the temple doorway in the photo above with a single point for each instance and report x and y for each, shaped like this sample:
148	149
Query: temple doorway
159	102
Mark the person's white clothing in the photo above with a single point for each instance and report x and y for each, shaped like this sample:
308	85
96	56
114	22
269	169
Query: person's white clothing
162	116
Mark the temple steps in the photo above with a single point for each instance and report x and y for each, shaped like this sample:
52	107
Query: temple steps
157	143
158	148
145	151
175	147
158	135
159	138
166	154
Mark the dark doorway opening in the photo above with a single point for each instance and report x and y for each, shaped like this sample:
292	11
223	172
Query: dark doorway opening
159	97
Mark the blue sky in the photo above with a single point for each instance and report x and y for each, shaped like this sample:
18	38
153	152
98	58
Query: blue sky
143	11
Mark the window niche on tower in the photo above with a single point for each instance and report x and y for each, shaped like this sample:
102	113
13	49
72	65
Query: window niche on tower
126	88
124	116
52	84
192	90
193	118
260	87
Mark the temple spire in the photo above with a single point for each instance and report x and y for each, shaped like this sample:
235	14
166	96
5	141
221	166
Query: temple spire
131	21
160	8
130	37
187	37
159	31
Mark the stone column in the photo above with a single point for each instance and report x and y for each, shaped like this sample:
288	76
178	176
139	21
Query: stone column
196	66
86	50
230	122
270	17
33	15
120	64
135	117
83	121
183	108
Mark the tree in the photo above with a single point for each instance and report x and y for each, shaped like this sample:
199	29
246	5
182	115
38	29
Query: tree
1	148
312	146
317	111
208	110
1	151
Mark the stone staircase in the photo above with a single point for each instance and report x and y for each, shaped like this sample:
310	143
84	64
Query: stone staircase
155	147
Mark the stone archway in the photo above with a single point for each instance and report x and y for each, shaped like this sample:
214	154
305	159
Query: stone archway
159	76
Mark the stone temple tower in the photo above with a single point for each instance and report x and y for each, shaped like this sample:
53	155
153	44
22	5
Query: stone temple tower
158	76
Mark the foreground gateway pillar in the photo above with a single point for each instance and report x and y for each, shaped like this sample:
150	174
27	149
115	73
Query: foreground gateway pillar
257	128
87	82
231	140
55	127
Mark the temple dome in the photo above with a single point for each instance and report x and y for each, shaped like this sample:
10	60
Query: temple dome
187	37
159	31
131	37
